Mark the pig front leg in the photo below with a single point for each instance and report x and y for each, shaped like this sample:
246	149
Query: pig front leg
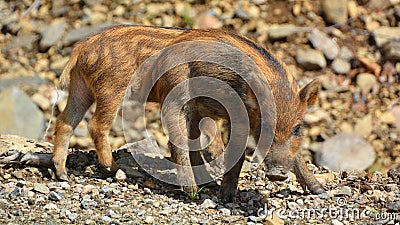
234	157
305	176
230	181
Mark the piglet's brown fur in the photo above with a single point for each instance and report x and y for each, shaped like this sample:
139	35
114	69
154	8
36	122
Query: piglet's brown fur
100	69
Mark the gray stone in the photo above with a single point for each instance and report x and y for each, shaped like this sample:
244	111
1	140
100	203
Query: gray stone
147	191
382	35
75	35
345	151
41	188
394	206
106	219
310	59
208	204
54	196
120	175
340	66
58	8
225	211
22	41
335	11
19	115
346	190
322	41
82	129
242	14
336	222
51	34
346	54
281	31
88	203
149	219
26	81
367	82
392	50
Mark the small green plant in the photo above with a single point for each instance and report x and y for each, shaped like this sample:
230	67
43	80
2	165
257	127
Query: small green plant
192	194
188	21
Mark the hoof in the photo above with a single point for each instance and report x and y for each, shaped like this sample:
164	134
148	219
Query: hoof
62	176
228	194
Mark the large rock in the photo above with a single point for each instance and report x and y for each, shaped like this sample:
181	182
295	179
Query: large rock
382	35
75	35
19	115
322	41
345	151
335	11
51	34
311	59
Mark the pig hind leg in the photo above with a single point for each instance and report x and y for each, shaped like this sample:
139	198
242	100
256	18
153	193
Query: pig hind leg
99	128
79	100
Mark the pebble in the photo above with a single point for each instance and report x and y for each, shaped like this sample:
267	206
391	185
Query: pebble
392	50
54	196
106	219
346	190
346	54
147	191
340	66
322	41
366	82
242	14
275	220
388	117
207	20
88	203
120	175
311	59
335	11
82	129
51	206
225	211
364	126
52	33
70	215
41	188
336	222
384	34
394	206
149	219
209	204
281	31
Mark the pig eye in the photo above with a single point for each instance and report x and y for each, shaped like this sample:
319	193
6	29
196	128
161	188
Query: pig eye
297	130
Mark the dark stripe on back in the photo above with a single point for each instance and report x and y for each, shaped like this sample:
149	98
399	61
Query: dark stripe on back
272	61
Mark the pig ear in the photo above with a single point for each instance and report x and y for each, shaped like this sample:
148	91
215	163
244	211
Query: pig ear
309	93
